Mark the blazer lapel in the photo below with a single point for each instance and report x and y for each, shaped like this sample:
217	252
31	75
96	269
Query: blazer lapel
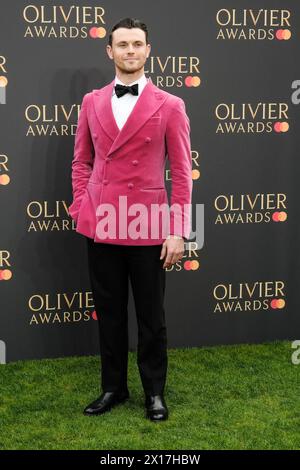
148	103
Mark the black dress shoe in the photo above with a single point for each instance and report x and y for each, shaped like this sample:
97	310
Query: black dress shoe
105	402
156	408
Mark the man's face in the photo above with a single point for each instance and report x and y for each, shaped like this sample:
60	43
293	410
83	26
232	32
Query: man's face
129	49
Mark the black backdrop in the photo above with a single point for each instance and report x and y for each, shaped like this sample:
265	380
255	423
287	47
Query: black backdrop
223	58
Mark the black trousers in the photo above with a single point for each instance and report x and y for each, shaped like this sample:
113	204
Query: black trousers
110	268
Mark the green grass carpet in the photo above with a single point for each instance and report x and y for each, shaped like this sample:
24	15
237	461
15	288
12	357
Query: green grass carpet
228	397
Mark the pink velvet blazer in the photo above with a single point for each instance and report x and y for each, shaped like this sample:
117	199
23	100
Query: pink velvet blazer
109	163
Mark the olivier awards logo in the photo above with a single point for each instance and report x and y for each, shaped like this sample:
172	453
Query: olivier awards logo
48	217
51	120
190	260
250	208
253	24
64	22
61	308
3	79
173	71
195	167
252	118
4	169
249	297
5	271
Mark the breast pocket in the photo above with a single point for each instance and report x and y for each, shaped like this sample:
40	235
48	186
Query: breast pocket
154	121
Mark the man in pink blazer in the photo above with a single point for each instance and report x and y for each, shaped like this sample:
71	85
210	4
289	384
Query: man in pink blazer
125	132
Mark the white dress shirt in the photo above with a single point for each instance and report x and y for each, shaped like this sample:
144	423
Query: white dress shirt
123	106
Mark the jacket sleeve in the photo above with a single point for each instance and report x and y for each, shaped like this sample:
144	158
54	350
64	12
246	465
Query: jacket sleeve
178	145
82	164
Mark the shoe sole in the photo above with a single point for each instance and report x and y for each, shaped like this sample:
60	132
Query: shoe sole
157	419
152	418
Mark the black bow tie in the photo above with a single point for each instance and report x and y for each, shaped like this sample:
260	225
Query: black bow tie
122	89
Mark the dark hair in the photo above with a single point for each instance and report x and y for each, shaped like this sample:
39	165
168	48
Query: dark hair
128	23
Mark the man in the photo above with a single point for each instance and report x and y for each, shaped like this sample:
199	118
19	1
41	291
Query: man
125	131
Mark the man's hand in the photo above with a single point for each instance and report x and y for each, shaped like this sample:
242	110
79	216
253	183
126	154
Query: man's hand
173	249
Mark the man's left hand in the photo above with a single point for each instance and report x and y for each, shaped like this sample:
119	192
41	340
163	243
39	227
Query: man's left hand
172	249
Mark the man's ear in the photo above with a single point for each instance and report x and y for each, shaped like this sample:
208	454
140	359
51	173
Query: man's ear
108	50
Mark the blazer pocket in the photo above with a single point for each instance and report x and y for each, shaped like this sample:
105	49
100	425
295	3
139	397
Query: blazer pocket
153	189
156	120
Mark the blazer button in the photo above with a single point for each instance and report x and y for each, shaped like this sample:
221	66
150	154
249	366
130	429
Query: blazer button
130	185
135	162
95	136
148	139
107	160
105	181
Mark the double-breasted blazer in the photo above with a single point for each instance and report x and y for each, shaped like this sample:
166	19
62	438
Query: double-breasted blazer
109	163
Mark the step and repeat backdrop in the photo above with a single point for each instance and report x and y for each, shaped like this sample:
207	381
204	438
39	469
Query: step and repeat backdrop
236	65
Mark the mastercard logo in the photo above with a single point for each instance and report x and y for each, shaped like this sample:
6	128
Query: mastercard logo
97	33
277	303
3	81
4	179
283	34
192	81
279	216
192	265
94	315
5	274
281	126
195	174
